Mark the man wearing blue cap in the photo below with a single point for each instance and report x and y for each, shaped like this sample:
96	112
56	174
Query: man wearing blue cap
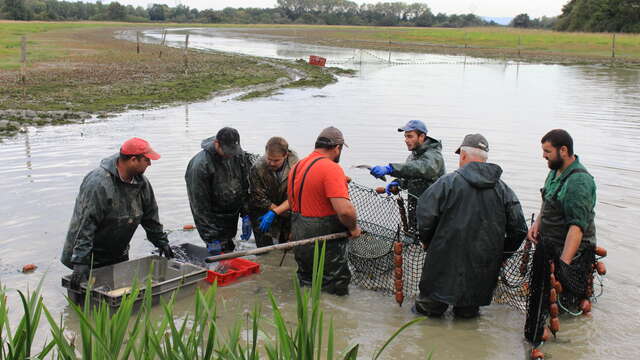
423	166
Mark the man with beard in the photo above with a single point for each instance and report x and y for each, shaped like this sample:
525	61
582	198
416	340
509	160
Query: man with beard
423	166
218	188
268	205
565	224
113	200
320	205
468	219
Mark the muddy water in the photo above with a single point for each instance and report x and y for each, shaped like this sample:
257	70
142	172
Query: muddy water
513	106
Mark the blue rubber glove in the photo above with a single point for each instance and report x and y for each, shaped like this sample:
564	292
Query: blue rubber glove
391	185
266	220
381	170
214	247
246	228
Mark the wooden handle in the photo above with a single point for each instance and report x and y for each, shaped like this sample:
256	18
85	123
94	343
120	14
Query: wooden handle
284	246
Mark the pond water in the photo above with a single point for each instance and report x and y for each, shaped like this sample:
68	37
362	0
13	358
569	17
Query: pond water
513	105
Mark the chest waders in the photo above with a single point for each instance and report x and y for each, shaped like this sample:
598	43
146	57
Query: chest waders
337	276
576	277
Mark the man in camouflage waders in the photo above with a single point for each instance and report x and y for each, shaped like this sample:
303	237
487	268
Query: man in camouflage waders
268	204
320	205
423	166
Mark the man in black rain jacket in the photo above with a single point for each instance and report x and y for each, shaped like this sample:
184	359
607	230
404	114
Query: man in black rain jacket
218	187
113	200
467	220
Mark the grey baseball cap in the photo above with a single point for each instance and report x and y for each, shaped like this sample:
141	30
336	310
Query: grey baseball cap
476	141
331	136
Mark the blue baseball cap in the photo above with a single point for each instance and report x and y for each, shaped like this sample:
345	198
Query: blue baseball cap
414	125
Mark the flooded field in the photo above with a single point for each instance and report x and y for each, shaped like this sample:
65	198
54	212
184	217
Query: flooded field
513	105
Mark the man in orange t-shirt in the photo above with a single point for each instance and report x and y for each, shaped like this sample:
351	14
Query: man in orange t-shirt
320	205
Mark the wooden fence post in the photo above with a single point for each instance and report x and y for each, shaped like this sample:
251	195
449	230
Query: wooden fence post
186	54
613	46
164	38
23	61
138	42
519	44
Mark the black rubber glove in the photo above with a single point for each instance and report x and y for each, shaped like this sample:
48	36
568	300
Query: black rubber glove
80	274
165	250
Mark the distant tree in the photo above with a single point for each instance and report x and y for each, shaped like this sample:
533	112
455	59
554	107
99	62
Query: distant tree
521	21
157	12
115	11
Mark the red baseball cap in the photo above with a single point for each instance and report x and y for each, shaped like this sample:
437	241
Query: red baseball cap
137	146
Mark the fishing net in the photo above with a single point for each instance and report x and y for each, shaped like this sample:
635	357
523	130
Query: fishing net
523	283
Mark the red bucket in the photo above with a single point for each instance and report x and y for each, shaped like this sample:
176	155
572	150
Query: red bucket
317	60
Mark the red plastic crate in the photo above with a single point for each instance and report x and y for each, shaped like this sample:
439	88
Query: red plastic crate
317	60
237	268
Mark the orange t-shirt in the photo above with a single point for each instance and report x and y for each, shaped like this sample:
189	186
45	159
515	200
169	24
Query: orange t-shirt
325	180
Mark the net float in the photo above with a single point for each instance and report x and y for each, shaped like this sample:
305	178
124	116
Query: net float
601	268
585	305
188	227
397	248
554	310
553	296
552	268
546	334
398	273
554	325
397	260
348	179
537	354
558	287
381	190
552	280
399	297
29	268
600	251
398	285
589	292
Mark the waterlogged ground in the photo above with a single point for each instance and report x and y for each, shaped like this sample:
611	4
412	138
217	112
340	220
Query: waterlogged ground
513	106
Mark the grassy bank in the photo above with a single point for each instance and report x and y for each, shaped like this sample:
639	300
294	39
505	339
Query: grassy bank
494	42
82	68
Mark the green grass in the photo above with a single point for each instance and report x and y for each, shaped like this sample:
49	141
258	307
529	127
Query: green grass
126	334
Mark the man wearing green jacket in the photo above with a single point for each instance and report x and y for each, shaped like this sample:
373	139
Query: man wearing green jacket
423	166
113	200
565	224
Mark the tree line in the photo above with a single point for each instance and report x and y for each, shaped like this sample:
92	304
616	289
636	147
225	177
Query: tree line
577	15
325	12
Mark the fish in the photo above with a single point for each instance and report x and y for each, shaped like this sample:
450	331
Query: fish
368	167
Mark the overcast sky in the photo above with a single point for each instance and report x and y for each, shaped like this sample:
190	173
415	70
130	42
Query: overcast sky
498	8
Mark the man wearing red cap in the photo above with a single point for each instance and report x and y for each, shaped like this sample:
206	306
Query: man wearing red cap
113	200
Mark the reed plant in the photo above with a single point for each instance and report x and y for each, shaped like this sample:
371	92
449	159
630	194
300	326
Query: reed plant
129	334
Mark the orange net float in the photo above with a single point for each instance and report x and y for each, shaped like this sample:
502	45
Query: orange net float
601	268
585	305
600	251
554	324
552	267
397	260
554	310
397	248
553	296
399	297
188	227
398	273
546	334
537	354
558	287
